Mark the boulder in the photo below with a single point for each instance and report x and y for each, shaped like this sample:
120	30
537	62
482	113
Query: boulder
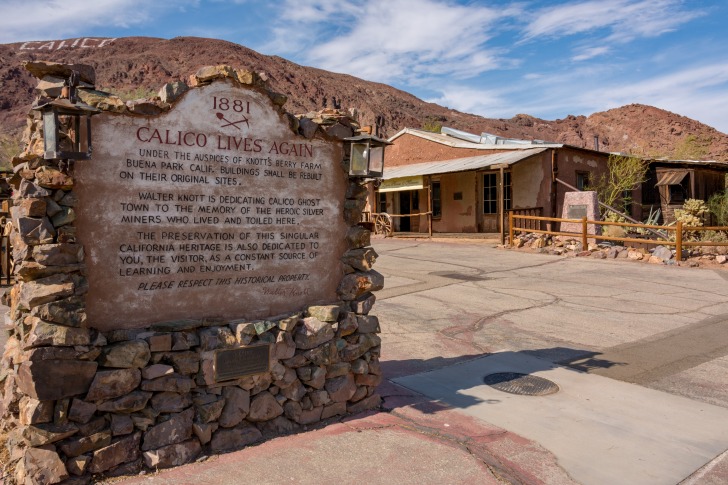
121	425
81	411
237	406
324	313
363	303
170	92
54	379
49	334
52	178
209	412
235	438
122	451
175	430
173	455
356	284
358	237
264	407
68	312
169	383
662	253
313	333
33	411
171	402
361	259
341	389
41	465
130	354
367	324
132	402
157	370
44	290
44	434
284	348
86	444
216	338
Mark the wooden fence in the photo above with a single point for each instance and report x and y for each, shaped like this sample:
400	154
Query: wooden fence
679	229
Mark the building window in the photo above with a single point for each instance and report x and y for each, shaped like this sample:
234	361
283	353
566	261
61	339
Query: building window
582	180
490	192
677	194
415	200
436	200
382	202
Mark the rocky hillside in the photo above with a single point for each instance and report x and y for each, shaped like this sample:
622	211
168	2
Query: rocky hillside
138	66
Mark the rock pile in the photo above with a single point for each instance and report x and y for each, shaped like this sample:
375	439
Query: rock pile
77	403
546	244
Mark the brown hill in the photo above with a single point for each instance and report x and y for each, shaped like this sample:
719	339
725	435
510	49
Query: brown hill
139	66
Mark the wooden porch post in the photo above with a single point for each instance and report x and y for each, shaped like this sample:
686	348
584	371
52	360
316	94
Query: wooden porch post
429	207
501	207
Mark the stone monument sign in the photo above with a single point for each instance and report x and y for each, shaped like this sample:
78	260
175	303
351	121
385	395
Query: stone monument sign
214	207
199	284
578	205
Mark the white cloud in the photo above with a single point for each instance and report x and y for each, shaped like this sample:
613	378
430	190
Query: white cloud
699	92
491	103
24	20
624	19
395	40
590	53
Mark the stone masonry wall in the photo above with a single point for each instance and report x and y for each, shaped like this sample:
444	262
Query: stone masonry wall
77	404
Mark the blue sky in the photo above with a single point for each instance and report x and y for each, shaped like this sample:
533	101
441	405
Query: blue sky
494	58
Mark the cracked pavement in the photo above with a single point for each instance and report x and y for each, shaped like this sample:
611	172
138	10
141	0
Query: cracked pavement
663	327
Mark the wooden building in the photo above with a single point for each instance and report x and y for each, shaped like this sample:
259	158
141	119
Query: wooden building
470	182
671	182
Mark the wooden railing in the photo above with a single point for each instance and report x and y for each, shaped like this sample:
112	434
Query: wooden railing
528	211
679	229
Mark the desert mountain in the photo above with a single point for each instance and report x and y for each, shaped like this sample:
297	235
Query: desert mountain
135	67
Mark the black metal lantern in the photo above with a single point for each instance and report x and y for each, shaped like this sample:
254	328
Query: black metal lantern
67	129
366	157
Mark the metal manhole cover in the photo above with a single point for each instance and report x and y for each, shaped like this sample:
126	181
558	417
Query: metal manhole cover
459	276
522	384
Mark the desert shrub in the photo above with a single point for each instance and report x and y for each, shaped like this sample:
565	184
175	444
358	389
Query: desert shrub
432	124
9	148
692	214
718	206
624	174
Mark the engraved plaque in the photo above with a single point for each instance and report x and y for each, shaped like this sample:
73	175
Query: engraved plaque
241	362
215	204
576	212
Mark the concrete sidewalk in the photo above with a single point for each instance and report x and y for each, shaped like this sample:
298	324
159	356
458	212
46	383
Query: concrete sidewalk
412	440
602	431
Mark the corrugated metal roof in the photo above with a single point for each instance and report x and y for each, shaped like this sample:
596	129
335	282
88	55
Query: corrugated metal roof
461	164
458	143
701	163
671	177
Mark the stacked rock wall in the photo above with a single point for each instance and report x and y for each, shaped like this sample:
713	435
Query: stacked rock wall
78	403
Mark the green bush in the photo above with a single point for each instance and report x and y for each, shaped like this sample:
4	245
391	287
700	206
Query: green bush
624	174
718	206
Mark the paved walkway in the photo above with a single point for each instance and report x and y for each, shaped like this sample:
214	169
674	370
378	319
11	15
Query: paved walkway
413	440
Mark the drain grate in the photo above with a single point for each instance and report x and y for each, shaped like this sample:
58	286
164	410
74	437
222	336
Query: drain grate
459	276
522	384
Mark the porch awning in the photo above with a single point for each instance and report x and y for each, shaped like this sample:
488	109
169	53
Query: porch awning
671	177
461	164
403	183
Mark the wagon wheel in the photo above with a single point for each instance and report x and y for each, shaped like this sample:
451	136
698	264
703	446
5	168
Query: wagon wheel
383	224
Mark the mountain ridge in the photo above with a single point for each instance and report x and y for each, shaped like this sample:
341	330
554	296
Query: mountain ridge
141	65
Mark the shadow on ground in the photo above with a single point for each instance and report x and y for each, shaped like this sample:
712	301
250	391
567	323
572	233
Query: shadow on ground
395	395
